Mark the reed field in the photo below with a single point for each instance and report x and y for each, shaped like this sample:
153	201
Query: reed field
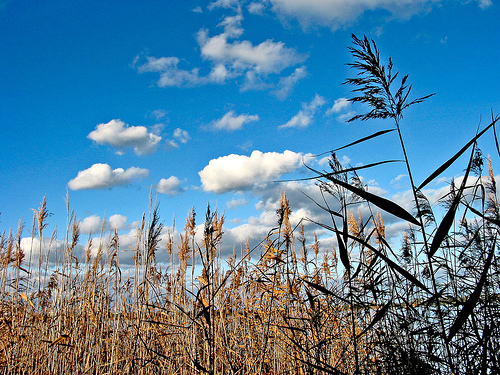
427	305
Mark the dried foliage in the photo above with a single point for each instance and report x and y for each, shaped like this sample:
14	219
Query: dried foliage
286	306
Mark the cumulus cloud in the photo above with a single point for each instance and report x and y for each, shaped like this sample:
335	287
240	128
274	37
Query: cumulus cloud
117	221
232	25
240	172
94	223
337	13
264	58
91	224
306	114
232	122
229	58
101	176
170	186
122	136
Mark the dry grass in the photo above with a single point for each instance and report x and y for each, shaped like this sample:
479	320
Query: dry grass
287	306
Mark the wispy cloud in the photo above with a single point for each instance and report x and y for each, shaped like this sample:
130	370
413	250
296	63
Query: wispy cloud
101	176
286	84
256	8
230	58
483	4
122	136
179	135
158	114
234	203
306	114
341	107
230	121
224	4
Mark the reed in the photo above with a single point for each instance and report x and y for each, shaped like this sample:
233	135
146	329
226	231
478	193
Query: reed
287	306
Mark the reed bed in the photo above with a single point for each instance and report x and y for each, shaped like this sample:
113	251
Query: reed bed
287	306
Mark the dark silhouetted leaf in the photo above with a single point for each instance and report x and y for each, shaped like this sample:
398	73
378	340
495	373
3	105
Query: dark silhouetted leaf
379	315
374	135
396	267
469	305
449	218
380	202
450	161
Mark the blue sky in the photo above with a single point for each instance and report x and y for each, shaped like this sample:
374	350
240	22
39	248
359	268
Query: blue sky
209	102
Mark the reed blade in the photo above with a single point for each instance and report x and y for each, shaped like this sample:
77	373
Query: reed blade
449	218
471	303
450	161
374	135
380	202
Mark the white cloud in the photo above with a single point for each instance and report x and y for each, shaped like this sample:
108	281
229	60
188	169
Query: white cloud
286	84
170	186
91	224
241	172
256	8
170	74
229	57
306	114
219	74
101	176
122	136
300	120
158	114
117	221
179	135
339	105
224	4
232	25
337	13
483	4
234	203
232	122
264	58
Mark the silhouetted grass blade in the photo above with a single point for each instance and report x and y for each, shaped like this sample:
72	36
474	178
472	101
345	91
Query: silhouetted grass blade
379	315
448	219
450	161
487	218
346	170
344	256
469	305
495	134
393	264
380	202
374	135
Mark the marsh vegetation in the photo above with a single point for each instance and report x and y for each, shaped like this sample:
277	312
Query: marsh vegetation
428	305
